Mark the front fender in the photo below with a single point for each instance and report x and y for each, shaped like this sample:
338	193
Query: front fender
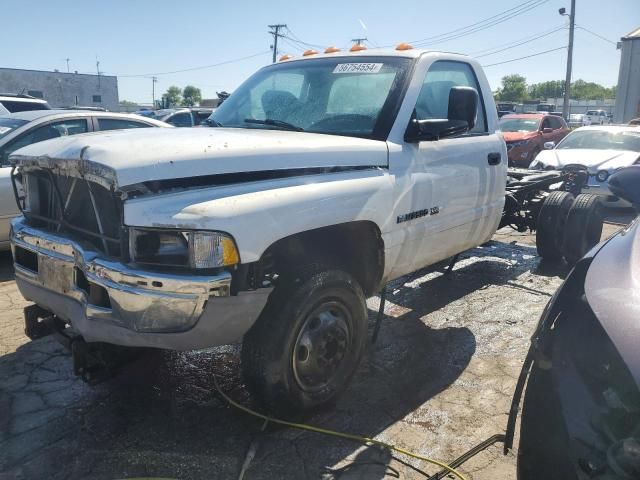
257	214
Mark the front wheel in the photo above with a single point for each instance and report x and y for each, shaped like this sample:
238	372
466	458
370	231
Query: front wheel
308	342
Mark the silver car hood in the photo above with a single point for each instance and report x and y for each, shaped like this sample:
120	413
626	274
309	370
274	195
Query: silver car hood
612	287
593	159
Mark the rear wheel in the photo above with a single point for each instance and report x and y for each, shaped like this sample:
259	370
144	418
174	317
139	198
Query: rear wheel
584	227
307	344
550	225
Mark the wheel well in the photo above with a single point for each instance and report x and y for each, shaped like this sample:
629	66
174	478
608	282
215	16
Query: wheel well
356	247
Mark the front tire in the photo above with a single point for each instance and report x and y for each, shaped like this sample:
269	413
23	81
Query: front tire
550	225
308	342
583	228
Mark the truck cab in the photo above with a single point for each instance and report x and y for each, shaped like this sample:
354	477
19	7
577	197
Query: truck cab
323	178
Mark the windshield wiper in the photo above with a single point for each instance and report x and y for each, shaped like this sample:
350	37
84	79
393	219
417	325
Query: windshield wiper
275	123
212	123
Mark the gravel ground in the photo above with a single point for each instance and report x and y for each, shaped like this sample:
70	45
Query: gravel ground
438	381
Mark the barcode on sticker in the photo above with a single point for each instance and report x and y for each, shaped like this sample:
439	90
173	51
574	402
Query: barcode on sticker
358	68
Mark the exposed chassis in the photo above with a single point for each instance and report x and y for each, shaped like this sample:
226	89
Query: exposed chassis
526	191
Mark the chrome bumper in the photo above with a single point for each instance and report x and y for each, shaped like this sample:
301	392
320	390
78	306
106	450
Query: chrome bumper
131	307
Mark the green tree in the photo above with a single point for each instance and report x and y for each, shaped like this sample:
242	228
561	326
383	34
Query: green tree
173	96
548	89
191	96
127	103
582	90
514	89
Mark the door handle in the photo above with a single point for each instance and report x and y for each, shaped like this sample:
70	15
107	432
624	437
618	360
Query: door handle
494	158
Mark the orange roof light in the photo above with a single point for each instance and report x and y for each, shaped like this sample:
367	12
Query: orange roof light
284	57
404	46
332	50
357	48
309	52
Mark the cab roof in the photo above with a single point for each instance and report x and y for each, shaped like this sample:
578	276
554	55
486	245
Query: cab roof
369	52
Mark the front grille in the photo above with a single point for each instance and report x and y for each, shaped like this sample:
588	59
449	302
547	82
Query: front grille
84	209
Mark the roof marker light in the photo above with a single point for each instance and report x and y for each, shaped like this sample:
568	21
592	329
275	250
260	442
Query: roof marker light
309	52
357	48
332	50
284	57
404	46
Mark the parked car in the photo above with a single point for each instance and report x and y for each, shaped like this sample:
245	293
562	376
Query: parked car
181	117
576	120
526	133
601	149
11	102
634	121
581	405
24	128
327	177
597	117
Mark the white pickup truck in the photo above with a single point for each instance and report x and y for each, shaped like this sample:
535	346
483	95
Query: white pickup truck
323	178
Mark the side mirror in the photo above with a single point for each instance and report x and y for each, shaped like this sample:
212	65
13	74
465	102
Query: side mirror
625	183
547	130
461	117
549	145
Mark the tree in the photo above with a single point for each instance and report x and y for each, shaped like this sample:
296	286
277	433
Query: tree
127	103
548	89
173	96
191	96
514	89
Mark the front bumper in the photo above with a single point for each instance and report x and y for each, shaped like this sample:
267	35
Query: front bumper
111	302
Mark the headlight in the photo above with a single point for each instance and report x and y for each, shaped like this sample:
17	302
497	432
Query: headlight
602	175
194	249
536	165
520	143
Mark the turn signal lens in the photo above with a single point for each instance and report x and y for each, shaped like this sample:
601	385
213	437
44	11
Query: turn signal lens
357	48
211	250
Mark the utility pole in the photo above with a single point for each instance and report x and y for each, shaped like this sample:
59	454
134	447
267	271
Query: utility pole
567	81
98	70
154	80
358	41
67	59
276	33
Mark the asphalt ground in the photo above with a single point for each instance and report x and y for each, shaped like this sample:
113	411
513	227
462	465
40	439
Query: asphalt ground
438	381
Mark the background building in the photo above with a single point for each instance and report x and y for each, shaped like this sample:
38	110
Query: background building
628	93
62	89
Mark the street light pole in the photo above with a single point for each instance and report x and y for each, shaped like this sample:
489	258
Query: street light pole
567	81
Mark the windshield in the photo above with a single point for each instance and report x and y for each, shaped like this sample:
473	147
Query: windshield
519	124
602	140
593	112
354	96
8	125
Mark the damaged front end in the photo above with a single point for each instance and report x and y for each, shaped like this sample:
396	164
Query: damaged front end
581	408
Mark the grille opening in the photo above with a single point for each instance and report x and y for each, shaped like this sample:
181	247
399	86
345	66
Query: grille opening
96	294
26	259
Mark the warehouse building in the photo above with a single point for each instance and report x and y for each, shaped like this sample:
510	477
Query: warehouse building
628	92
62	89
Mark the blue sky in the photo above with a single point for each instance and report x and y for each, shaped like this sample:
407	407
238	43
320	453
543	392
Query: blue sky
143	36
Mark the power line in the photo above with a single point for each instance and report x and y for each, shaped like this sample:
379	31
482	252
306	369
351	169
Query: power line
522	58
482	24
596	35
515	43
296	39
226	62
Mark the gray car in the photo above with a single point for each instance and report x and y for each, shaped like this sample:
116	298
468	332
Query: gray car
24	128
581	409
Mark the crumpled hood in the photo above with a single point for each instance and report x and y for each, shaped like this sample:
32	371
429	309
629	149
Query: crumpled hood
518	136
128	157
593	159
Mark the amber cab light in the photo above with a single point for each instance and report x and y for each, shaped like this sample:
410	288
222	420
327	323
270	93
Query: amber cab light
357	48
332	50
284	57
309	52
404	46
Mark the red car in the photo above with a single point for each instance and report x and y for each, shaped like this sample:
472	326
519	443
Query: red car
527	133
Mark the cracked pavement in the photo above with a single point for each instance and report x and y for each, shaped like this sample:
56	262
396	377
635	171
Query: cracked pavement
438	381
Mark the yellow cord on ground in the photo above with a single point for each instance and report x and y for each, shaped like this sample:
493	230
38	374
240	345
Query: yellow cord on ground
325	431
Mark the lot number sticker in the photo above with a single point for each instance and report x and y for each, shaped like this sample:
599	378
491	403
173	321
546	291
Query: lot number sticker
358	68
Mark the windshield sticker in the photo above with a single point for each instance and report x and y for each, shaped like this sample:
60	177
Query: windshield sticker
358	68
4	130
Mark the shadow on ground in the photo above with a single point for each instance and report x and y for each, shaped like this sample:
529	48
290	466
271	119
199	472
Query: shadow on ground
163	417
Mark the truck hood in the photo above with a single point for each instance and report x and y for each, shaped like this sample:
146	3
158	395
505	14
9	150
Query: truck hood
129	157
518	136
593	159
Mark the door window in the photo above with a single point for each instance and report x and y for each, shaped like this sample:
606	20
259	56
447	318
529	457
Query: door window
546	123
556	123
119	124
180	119
51	130
433	100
